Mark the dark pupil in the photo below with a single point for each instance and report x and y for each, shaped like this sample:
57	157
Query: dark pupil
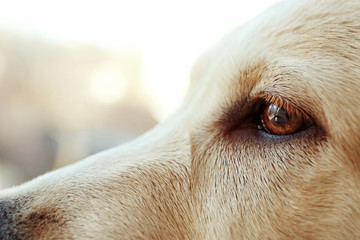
278	115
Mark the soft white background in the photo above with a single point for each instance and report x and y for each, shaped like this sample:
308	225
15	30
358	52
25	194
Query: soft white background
80	76
169	34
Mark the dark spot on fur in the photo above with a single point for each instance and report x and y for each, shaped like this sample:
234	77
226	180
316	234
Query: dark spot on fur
20	220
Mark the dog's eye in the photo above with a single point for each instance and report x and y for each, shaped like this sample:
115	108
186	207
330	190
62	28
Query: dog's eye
279	120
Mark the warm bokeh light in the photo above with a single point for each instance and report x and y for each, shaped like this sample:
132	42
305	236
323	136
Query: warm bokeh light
87	75
168	34
108	85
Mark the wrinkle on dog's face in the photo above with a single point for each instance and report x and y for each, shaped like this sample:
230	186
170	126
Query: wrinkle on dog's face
200	176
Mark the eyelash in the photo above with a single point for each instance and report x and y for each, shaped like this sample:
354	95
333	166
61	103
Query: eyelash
264	99
279	101
290	109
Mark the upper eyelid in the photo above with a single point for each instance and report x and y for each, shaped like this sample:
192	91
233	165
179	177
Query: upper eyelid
282	102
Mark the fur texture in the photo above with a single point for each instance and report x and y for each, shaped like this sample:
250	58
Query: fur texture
207	172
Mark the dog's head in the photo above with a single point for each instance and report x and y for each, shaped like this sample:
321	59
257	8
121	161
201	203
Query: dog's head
265	146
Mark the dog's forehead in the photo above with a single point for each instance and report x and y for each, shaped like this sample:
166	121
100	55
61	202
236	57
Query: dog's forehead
314	32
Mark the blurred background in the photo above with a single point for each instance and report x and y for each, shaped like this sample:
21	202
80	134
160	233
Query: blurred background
78	77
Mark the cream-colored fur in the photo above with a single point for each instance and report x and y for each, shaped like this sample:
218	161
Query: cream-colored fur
198	176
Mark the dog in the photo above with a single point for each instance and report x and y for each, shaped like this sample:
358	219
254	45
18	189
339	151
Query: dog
265	146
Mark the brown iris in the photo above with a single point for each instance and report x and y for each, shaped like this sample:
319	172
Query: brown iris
279	120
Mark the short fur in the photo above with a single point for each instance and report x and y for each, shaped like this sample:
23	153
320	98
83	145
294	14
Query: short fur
199	175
